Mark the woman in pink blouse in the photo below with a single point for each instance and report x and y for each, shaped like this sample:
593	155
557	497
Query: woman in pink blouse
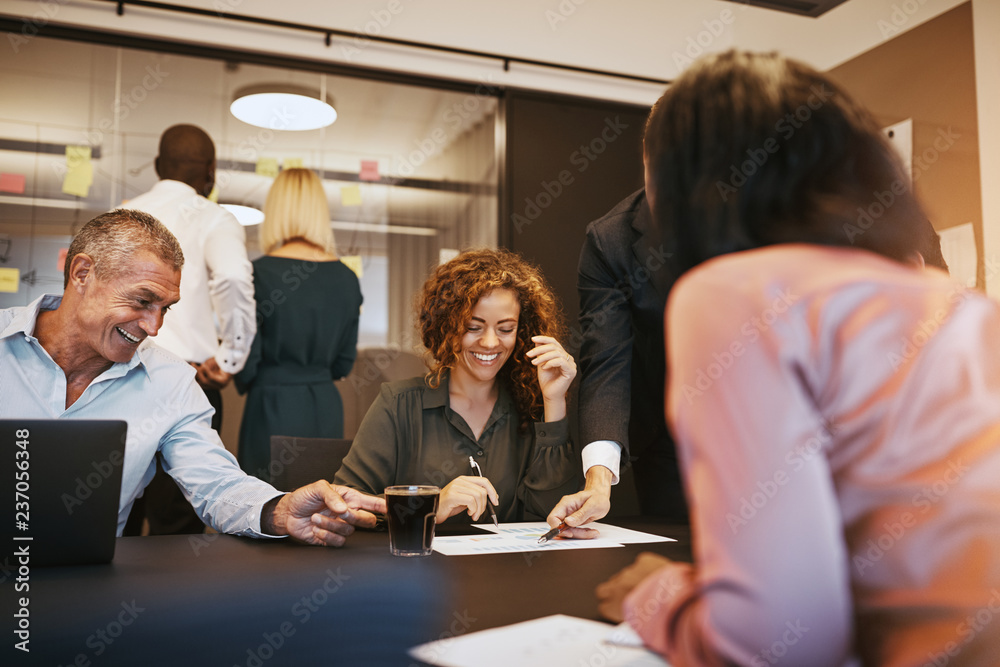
836	405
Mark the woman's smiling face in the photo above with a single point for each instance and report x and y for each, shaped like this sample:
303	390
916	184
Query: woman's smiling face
490	335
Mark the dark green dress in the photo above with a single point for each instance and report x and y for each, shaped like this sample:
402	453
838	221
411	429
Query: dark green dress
307	335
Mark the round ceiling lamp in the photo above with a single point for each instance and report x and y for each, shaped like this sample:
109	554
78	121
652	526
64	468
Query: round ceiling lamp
283	107
245	215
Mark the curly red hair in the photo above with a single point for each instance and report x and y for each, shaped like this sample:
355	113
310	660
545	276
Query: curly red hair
445	307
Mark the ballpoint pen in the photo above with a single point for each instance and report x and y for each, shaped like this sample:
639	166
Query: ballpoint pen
552	533
489	503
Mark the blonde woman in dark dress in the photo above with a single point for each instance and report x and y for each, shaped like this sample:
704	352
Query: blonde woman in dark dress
308	303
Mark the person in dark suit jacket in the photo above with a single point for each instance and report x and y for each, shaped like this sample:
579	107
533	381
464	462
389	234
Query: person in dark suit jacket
625	273
626	270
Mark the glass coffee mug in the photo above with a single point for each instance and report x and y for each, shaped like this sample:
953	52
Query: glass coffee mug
410	511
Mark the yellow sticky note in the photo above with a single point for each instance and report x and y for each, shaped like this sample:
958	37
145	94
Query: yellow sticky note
353	262
350	195
267	166
79	171
213	196
10	280
78	180
77	155
291	163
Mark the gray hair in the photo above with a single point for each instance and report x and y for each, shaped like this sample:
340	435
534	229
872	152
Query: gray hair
113	239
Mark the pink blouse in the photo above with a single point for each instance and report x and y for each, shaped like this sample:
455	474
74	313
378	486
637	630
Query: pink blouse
837	416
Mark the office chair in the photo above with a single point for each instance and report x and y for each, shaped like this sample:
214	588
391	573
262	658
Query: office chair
296	461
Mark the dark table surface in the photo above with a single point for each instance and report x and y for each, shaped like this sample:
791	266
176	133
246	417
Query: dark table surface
223	600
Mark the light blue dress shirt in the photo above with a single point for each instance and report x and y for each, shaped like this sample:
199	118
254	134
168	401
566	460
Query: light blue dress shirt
155	393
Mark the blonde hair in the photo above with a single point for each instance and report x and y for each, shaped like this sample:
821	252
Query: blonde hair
296	207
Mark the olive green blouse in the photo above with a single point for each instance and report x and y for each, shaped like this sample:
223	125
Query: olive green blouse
410	435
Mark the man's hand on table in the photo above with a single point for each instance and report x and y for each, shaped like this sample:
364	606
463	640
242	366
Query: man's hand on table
580	508
321	513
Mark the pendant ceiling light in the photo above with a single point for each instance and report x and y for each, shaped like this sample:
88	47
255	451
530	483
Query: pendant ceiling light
283	107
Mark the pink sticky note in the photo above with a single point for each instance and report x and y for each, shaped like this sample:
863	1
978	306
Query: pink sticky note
61	262
12	183
369	170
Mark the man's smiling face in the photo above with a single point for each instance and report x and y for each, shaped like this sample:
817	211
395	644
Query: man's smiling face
117	313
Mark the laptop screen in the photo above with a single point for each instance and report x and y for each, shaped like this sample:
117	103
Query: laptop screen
62	480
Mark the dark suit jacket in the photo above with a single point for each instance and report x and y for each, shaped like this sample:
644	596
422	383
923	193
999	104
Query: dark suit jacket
624	276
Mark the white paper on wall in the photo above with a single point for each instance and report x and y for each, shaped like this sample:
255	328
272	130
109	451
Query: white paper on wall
900	136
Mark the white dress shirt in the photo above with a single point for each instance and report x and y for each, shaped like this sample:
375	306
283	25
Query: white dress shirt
217	280
155	393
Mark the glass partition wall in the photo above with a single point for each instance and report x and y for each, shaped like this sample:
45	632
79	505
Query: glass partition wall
410	171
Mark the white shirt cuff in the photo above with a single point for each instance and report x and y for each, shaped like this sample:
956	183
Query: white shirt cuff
607	453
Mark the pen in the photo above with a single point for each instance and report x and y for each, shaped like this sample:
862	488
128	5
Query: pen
493	512
552	533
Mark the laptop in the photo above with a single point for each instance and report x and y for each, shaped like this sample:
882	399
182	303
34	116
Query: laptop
60	482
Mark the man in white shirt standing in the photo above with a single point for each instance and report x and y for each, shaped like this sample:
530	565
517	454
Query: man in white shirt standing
214	323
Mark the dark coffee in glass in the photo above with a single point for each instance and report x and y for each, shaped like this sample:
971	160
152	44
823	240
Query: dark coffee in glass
410	512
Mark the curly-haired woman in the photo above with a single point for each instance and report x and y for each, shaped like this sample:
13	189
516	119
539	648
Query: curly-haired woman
496	392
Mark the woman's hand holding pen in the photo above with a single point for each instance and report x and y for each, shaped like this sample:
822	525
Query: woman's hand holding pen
466	493
556	370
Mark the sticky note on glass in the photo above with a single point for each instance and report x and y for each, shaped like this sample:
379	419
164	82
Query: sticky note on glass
10	280
353	262
213	196
291	163
12	183
79	171
369	170
350	195
267	166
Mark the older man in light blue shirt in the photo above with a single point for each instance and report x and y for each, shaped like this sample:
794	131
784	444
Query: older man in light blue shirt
85	355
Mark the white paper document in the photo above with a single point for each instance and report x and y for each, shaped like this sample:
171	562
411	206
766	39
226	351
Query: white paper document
513	537
543	642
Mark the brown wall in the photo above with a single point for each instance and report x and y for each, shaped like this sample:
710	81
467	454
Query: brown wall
928	74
